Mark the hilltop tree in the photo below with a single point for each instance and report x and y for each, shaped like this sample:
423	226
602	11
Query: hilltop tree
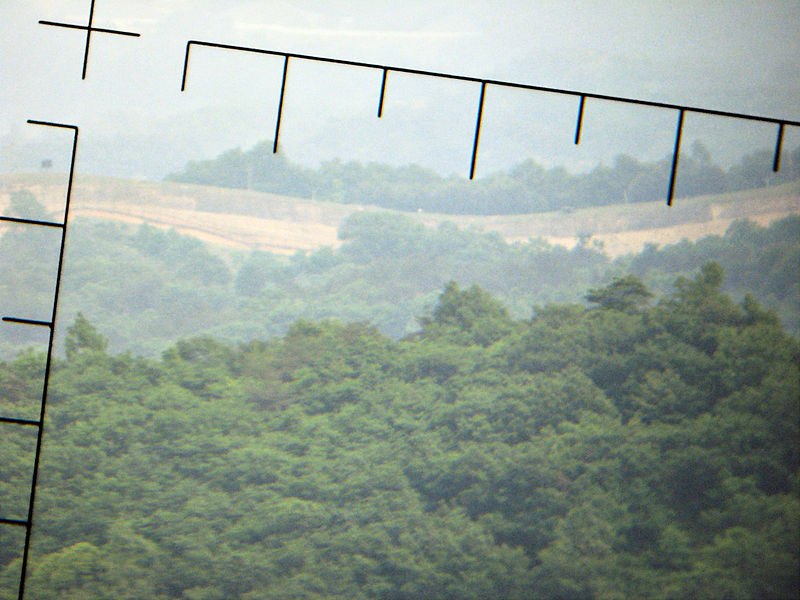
82	336
470	315
624	293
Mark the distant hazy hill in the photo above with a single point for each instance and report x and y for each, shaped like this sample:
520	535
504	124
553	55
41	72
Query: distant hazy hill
525	188
151	263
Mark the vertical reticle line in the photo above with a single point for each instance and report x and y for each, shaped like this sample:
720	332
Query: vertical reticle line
383	93
675	153
776	162
477	131
580	120
88	39
89	29
186	65
48	361
280	104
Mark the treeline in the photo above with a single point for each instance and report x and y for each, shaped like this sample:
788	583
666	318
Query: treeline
628	449
526	188
763	261
147	288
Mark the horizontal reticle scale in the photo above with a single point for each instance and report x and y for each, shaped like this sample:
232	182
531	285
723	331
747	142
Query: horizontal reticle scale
581	108
89	28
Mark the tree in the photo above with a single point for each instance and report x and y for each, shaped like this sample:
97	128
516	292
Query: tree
703	301
24	204
472	315
624	293
82	337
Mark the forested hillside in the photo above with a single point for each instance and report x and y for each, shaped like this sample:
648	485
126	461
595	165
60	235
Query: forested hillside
763	261
525	188
146	288
629	449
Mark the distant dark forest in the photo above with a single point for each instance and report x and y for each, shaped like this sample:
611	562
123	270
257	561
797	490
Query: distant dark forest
526	188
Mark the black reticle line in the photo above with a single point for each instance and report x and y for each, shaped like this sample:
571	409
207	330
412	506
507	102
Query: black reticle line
89	29
675	154
477	131
782	123
19	421
31	222
776	162
27	322
383	93
280	105
580	120
39	424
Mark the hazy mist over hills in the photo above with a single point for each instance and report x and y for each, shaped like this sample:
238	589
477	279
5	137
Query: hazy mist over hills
135	121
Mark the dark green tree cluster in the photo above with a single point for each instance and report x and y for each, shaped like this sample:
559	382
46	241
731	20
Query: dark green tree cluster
256	169
628	449
763	261
525	188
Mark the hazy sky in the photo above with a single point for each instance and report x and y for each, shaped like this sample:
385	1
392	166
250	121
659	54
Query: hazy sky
732	55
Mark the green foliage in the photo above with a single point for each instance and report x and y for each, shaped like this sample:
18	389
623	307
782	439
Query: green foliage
146	288
82	336
585	453
624	293
467	317
761	261
525	188
256	169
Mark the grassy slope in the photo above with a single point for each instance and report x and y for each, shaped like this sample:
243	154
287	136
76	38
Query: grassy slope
246	219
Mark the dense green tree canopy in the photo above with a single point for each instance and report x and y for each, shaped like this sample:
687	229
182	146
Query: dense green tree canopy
594	453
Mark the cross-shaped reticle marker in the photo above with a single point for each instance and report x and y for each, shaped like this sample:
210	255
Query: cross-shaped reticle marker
89	29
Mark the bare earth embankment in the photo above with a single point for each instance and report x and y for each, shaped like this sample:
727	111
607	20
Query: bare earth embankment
253	220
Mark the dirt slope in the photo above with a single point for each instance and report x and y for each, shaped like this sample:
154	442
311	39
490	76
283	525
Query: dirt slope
250	220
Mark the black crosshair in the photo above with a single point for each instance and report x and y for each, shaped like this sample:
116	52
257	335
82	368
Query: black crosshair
89	29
